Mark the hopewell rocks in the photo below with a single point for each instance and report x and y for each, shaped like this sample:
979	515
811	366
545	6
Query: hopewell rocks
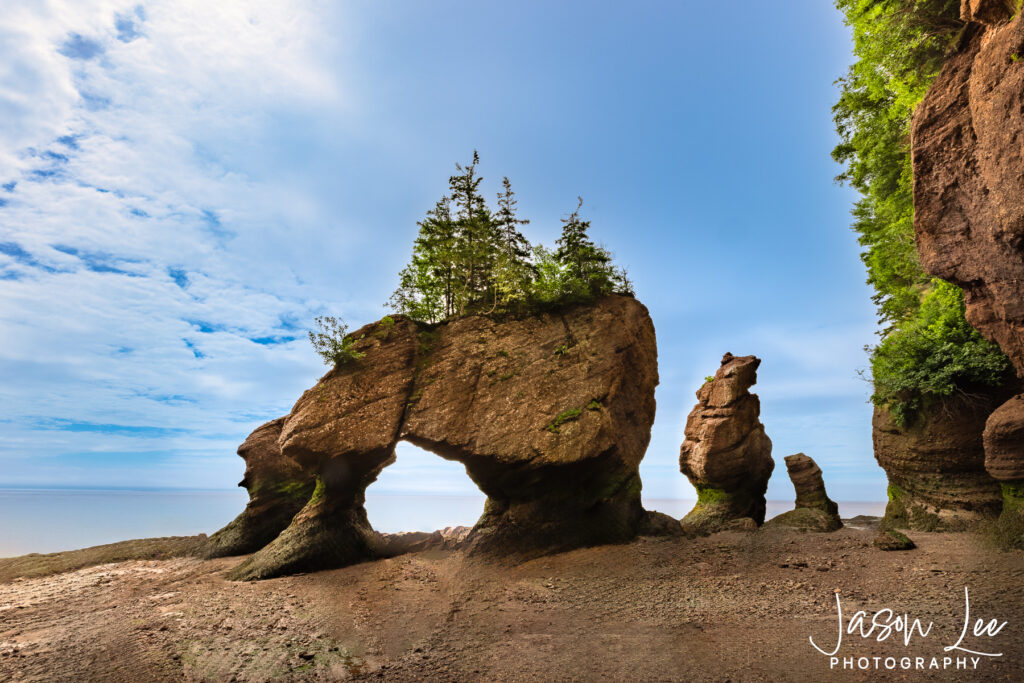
726	454
814	510
550	414
278	488
968	164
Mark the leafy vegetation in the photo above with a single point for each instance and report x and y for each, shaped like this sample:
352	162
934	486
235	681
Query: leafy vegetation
468	259
562	418
333	342
928	350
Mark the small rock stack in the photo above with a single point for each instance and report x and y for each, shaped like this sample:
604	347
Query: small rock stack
726	454
814	511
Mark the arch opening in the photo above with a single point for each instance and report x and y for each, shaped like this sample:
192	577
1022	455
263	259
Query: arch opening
421	491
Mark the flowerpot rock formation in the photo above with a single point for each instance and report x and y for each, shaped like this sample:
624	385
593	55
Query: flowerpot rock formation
814	510
726	454
968	164
550	414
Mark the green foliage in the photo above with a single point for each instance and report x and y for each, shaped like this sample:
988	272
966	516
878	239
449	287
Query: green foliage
931	354
594	405
562	418
709	378
900	46
332	341
467	259
561	350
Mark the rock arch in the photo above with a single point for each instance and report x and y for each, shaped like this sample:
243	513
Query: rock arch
550	414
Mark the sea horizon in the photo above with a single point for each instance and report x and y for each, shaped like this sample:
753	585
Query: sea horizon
39	519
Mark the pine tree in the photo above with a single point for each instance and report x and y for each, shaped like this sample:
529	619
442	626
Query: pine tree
513	271
587	266
476	240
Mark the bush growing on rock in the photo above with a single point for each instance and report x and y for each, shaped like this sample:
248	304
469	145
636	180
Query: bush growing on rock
332	341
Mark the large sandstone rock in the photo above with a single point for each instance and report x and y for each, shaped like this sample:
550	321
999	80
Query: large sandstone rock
814	510
344	430
726	454
278	488
936	467
969	190
550	414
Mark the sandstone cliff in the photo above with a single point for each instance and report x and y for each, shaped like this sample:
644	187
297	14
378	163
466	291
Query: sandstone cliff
969	203
550	414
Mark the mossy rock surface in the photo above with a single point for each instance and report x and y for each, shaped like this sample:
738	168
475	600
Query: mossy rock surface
891	539
807	519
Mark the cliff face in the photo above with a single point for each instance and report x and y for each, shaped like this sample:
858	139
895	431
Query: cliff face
968	159
969	177
550	414
936	468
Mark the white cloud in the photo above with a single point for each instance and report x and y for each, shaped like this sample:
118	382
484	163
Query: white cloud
132	133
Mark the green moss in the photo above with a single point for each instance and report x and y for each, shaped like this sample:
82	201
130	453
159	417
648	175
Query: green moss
502	353
561	350
562	418
896	494
594	405
298	490
384	328
507	375
708	495
319	492
709	379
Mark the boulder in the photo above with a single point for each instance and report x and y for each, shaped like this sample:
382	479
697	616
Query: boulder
549	413
278	489
890	539
814	511
936	467
726	454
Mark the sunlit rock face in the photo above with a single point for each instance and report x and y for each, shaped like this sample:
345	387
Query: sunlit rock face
726	454
549	413
968	164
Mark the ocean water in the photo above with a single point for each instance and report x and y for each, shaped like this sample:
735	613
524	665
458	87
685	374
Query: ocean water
51	520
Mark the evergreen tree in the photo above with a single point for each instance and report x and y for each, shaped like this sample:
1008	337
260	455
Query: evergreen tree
588	270
476	241
513	272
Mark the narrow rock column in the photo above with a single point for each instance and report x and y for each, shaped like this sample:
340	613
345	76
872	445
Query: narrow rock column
726	454
815	511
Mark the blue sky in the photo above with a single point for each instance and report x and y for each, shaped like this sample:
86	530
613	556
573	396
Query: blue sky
184	186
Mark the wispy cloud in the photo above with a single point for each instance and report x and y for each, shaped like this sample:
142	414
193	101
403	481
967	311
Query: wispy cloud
139	312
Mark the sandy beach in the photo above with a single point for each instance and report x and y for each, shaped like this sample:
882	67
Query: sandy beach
728	607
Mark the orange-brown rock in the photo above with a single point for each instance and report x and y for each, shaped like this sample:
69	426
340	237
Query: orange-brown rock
278	488
814	510
726	454
1004	441
968	163
343	430
550	414
936	467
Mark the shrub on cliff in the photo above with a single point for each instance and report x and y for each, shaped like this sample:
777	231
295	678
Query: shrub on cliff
900	46
333	342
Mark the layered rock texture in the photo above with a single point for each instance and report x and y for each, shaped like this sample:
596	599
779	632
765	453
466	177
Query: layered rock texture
726	454
550	414
814	510
278	489
936	467
969	194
